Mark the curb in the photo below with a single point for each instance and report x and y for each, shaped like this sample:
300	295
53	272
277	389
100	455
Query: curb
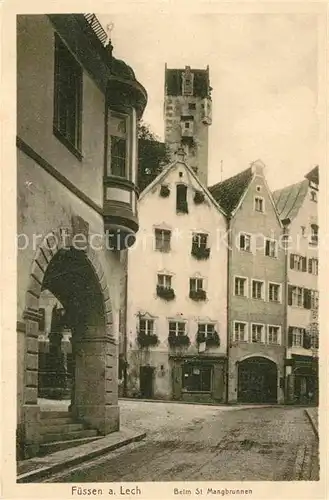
42	472
314	426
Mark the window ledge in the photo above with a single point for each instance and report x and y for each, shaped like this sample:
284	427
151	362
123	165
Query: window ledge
67	143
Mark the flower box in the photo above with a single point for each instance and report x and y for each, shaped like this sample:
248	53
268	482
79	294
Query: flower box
200	253
198	295
147	340
199	197
164	191
178	340
165	293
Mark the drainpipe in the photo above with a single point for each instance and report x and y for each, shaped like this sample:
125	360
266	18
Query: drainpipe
125	342
228	315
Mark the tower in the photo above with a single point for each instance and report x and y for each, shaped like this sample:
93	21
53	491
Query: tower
187	115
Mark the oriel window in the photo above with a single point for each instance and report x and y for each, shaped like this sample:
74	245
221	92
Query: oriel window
67	96
118	145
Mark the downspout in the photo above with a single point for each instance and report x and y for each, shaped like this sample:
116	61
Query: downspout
228	315
125	343
285	302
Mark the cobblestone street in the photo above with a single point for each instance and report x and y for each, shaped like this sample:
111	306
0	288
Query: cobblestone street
195	442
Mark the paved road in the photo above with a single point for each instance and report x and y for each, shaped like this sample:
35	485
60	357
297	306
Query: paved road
200	443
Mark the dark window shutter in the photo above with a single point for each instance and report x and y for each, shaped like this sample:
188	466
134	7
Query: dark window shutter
292	260
310	266
290	336
307	298
304	264
267	247
289	295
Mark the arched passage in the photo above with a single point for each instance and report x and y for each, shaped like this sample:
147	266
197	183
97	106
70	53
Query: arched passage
257	380
77	280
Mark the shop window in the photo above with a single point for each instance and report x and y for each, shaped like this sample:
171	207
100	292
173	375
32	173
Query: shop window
67	98
196	378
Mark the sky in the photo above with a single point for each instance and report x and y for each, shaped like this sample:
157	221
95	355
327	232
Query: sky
264	75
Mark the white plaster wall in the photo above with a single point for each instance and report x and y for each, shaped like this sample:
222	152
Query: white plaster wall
144	263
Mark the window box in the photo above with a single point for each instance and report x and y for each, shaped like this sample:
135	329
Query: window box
147	339
178	340
164	191
200	253
165	293
210	338
198	197
198	295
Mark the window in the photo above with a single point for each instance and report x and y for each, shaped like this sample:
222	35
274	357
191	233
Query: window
240	286
257	289
196	284
162	240
146	326
296	296
314	299
118	139
181	198
313	266
274	292
259	204
257	332
298	263
187	82
274	333
191	106
187	124
314	234
196	378
164	280
240	331
176	328
67	97
270	248
245	242
297	337
200	240
313	196
206	328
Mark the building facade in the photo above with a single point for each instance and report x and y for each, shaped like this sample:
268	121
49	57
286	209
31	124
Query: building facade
298	209
256	291
77	111
188	115
176	303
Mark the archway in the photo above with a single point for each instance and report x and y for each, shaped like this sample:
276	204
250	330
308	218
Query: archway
257	380
77	280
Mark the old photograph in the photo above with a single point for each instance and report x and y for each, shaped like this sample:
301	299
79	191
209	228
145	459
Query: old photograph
168	190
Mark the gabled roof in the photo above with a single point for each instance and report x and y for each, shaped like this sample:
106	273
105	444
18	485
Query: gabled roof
289	199
228	193
165	172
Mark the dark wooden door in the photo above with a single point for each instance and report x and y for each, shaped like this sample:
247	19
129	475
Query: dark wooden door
146	381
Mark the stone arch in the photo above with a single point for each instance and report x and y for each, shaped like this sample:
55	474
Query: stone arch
255	355
95	396
51	244
257	377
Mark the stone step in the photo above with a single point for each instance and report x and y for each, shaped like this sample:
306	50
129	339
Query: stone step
56	421
55	414
59	436
47	448
60	428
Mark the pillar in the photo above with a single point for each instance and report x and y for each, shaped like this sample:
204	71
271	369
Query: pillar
29	435
95	394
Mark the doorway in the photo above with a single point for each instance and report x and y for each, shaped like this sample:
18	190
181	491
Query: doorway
146	377
257	381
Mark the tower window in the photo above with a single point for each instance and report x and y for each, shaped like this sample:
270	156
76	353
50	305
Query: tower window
192	106
187	82
187	125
